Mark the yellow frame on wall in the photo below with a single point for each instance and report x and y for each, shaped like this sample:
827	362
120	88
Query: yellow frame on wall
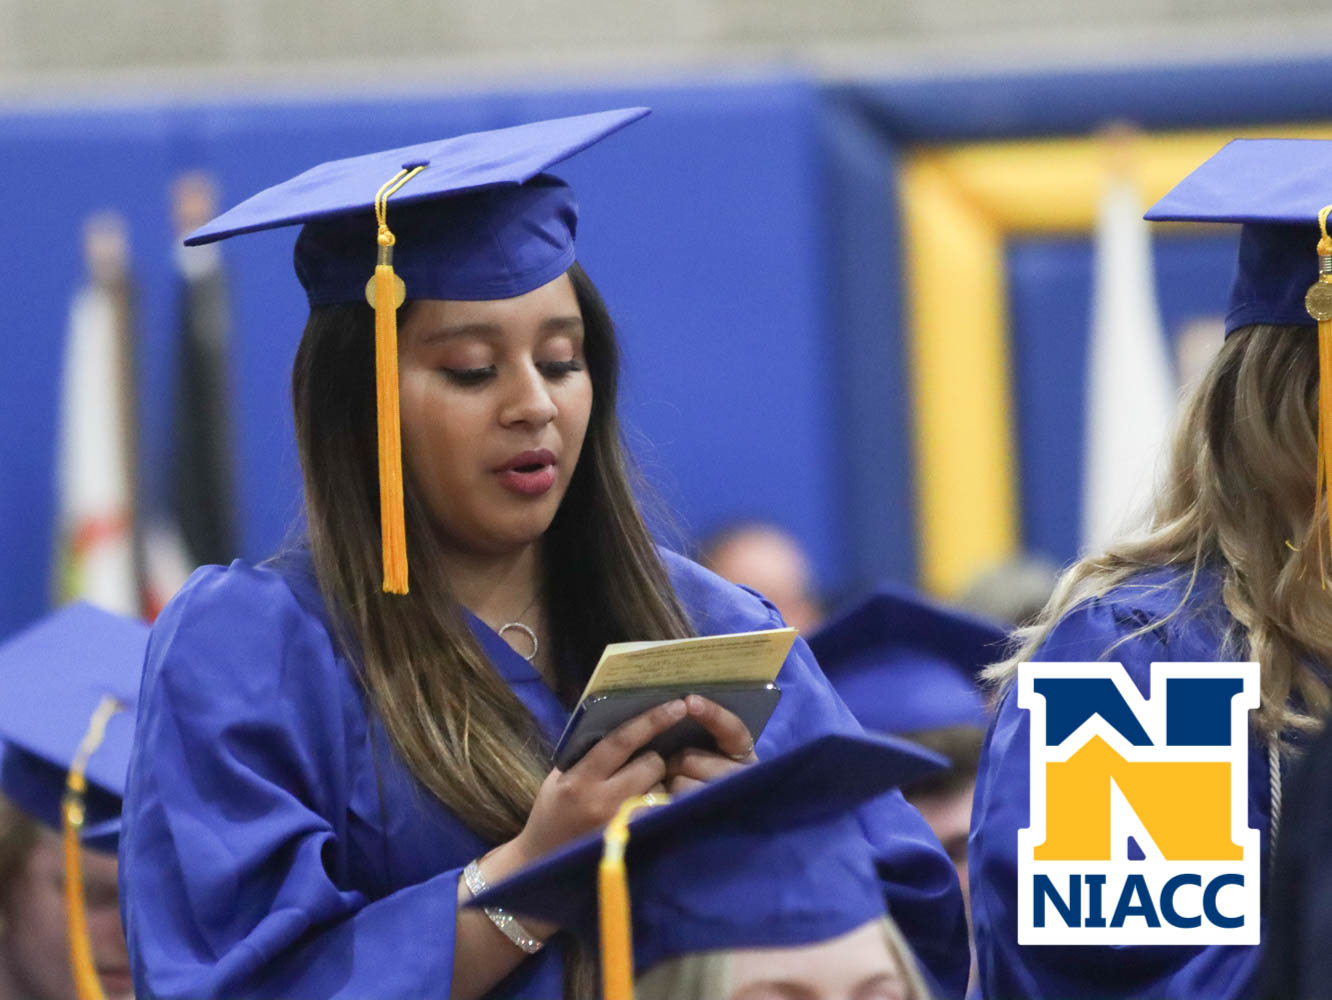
959	206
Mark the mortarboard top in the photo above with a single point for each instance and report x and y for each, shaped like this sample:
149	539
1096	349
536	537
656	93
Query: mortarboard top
53	675
904	664
1275	188
770	856
487	222
471	218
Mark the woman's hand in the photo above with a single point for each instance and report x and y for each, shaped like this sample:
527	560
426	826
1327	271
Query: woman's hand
692	767
584	798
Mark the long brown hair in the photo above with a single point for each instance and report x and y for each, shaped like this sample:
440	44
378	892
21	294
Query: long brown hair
1238	500
18	836
457	725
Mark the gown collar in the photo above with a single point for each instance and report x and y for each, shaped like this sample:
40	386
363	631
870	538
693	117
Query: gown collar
520	675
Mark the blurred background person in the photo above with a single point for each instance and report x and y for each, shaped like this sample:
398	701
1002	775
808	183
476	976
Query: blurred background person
755	888
907	666
53	678
1013	592
765	558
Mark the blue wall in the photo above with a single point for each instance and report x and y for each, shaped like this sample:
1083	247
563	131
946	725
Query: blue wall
702	226
745	236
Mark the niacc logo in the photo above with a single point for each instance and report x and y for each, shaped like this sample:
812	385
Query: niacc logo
1139	807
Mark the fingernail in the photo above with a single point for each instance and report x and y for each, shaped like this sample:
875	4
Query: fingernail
676	709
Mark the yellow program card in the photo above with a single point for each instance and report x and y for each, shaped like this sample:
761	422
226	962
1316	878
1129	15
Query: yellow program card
711	659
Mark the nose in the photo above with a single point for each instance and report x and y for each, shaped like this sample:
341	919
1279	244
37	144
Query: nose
527	399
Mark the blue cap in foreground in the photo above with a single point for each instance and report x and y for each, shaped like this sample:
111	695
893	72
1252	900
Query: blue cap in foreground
53	675
770	856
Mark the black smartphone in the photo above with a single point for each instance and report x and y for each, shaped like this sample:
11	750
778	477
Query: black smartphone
597	715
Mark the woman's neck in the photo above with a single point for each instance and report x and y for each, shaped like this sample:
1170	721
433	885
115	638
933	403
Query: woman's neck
497	589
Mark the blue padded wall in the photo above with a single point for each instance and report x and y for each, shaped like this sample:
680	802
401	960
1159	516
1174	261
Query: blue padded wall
702	226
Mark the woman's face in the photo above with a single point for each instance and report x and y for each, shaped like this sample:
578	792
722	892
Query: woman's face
855	966
35	942
495	401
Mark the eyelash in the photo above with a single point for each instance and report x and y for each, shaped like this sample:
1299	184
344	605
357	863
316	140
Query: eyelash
553	370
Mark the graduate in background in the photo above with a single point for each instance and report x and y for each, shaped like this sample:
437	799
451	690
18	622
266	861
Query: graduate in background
54	677
1231	567
766	558
757	887
908	667
332	754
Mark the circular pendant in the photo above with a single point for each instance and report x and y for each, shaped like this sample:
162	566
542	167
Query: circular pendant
519	626
1318	300
399	292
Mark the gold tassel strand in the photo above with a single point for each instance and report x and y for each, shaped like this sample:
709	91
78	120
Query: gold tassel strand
386	292
86	984
617	946
1318	302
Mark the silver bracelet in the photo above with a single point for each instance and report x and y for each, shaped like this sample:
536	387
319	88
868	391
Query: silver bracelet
504	920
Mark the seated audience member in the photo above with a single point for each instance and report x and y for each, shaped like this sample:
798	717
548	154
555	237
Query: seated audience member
764	557
757	887
53	678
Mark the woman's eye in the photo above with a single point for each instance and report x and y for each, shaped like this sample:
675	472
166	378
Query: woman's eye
468	376
559	369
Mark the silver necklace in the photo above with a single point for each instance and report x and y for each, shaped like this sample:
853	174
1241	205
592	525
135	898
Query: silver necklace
517	625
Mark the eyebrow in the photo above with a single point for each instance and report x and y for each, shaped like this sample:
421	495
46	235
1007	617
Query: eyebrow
489	331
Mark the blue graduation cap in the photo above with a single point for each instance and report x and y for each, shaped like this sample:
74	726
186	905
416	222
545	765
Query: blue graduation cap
1275	189
1280	190
770	856
904	664
474	217
53	677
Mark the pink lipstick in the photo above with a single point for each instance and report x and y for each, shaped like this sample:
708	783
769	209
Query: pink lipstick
529	473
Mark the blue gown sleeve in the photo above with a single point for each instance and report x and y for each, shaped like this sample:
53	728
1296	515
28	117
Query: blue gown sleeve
919	881
1002	806
236	797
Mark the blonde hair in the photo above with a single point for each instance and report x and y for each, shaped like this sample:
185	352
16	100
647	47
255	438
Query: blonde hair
1238	500
706	975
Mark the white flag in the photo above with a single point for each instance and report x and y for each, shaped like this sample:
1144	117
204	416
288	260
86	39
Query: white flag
96	559
1131	390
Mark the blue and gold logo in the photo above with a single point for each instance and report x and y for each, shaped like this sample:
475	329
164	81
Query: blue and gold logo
1139	807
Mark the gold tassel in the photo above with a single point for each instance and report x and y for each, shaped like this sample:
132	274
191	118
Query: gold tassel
1318	302
617	946
86	984
386	292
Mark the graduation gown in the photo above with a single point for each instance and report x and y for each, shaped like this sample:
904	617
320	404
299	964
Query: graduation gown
275	845
1001	807
1297	957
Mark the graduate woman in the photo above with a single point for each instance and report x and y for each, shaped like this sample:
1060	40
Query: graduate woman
1232	568
333	754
